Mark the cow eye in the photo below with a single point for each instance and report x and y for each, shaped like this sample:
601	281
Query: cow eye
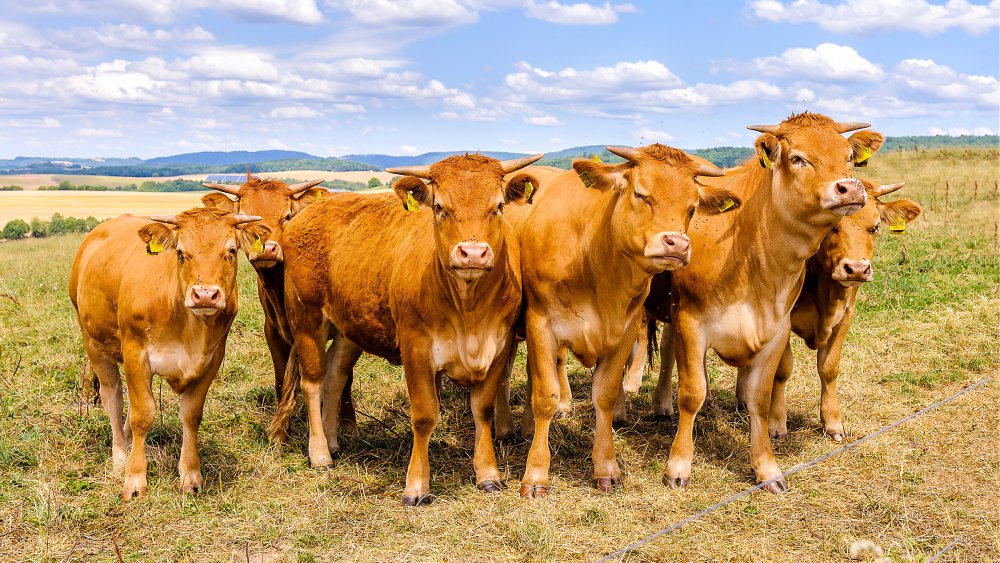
797	160
835	230
639	196
873	230
500	208
288	216
439	210
180	256
691	212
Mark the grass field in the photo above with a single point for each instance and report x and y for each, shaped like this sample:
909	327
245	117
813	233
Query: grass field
926	328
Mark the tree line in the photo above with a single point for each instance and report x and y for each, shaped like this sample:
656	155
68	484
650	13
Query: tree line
16	229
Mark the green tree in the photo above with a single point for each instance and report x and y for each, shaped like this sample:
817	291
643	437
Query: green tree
57	226
16	229
374	182
39	228
90	222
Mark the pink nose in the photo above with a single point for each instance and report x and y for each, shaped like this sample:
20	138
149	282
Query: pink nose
205	296
676	244
850	191
854	270
272	252
472	255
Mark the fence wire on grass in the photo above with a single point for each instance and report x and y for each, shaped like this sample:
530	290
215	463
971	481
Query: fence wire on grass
639	543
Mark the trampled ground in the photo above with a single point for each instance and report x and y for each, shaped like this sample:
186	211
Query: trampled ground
926	328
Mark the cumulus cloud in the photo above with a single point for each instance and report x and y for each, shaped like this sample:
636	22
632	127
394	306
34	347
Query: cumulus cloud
408	12
647	136
706	95
828	61
297	11
231	63
294	112
940	82
544	120
128	37
115	82
580	13
92	132
570	84
862	16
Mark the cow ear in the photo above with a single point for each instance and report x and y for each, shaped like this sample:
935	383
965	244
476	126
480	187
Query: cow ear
158	238
863	145
412	191
768	149
521	189
901	210
601	176
218	201
251	234
300	201
713	200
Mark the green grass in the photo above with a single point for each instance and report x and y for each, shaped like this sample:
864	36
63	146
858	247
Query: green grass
925	328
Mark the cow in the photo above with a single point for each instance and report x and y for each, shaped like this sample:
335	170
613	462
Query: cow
427	276
736	297
276	202
823	312
158	295
590	245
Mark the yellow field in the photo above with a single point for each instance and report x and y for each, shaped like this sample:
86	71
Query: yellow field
34	181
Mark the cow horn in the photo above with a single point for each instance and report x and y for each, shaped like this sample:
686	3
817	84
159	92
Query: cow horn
170	219
627	153
519	163
764	128
884	189
418	171
298	188
241	218
225	188
845	127
709	170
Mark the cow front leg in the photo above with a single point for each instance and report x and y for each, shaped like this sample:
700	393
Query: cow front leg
828	366
543	377
424	415
606	391
483	398
663	395
689	344
777	421
340	361
192	407
142	412
759	382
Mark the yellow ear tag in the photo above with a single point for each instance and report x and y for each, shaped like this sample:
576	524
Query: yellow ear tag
897	226
257	246
529	189
764	161
154	247
411	203
596	159
587	179
726	204
865	154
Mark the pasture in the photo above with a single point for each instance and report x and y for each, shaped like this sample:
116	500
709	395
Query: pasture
926	327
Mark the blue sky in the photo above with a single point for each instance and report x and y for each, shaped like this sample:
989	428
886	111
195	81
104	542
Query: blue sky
91	78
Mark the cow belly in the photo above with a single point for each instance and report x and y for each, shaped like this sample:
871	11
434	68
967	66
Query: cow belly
587	336
465	360
740	332
176	364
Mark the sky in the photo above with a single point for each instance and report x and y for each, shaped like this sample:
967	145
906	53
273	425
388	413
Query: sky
146	78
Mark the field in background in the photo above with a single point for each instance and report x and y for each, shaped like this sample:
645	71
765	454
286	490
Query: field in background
926	328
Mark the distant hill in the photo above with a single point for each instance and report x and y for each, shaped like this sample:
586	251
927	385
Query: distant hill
216	158
382	161
941	141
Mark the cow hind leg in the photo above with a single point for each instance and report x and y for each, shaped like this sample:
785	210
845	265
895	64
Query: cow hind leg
340	361
828	365
663	395
110	381
565	406
142	412
777	421
503	426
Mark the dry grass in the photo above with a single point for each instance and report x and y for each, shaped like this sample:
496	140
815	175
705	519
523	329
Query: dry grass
925	329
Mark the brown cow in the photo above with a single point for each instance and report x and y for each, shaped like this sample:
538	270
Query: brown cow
433	283
591	243
158	295
737	296
825	308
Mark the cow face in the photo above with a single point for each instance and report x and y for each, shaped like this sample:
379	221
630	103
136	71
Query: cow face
466	196
847	250
811	164
657	197
203	243
275	202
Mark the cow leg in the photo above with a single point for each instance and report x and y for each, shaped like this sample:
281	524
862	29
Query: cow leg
280	351
828	366
141	413
777	421
565	407
311	352
636	364
340	360
607	390
503	427
110	380
760	376
690	346
663	395
192	407
543	353
483	398
425	411
528	415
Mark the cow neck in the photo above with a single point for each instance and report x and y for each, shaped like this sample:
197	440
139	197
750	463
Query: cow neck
273	281
475	299
832	297
614	273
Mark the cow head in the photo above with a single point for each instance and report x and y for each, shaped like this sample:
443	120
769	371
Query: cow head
204	243
811	163
657	195
847	250
275	202
466	196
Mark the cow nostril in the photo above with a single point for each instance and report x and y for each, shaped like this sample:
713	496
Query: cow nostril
462	252
848	269
483	255
841	189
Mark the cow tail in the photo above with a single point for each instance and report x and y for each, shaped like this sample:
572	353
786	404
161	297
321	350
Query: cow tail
652	343
277	431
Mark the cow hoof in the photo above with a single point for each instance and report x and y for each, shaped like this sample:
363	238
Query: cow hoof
837	437
534	491
778	486
190	489
564	413
421	500
618	424
492	486
607	484
665	417
129	495
675	482
508	439
783	436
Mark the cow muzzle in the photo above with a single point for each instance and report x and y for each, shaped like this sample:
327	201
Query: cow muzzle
846	197
205	299
270	256
852	273
668	250
470	260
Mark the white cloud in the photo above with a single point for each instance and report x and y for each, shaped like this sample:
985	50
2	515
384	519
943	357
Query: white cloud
408	12
580	13
409	150
50	123
115	82
862	16
571	84
22	65
942	83
706	95
210	123
828	61
294	112
296	11
349	108
128	37
93	132
235	63
869	107
956	131
647	136
544	120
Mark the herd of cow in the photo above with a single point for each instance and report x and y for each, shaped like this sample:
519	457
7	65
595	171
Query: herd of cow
467	256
